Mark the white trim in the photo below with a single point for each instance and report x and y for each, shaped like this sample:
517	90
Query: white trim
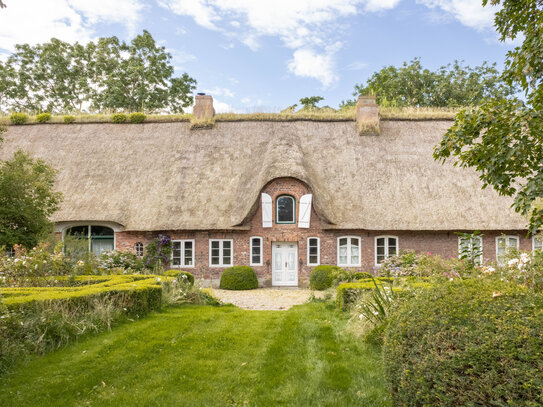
349	262
182	243
285	283
387	255
318	252
267	210
480	238
534	238
506	237
251	251
221	255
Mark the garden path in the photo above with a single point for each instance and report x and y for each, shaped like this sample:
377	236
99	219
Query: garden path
265	298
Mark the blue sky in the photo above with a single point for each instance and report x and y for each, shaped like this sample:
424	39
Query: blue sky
264	55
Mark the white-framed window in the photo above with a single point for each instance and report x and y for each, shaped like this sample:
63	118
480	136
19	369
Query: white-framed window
10	252
256	251
504	244
313	251
285	209
348	251
385	246
138	249
537	243
468	245
221	252
183	253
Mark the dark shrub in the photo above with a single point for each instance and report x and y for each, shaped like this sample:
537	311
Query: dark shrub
468	343
137	117
322	277
239	278
43	117
360	275
118	118
69	119
18	118
180	275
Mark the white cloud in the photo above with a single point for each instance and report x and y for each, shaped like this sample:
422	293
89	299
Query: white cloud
221	107
308	63
356	66
218	91
198	9
470	13
36	21
379	5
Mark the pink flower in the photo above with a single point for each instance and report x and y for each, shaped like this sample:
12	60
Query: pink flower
429	253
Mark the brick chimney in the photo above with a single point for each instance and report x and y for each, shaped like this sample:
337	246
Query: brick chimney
367	116
203	107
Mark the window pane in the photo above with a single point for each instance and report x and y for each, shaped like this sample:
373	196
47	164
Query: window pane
101	231
215	252
380	251
256	242
343	241
215	244
513	242
226	244
314	250
354	241
80	231
391	242
381	242
392	251
215	260
285	209
226	260
380	258
354	259
313	259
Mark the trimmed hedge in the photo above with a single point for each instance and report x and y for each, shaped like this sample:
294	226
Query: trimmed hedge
239	278
322	277
118	118
361	275
18	118
180	274
68	119
137	117
43	117
467	343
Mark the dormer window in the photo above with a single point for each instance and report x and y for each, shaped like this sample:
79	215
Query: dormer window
285	209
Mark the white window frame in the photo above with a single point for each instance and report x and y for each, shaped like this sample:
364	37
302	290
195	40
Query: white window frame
534	244
480	238
251	251
182	249
221	255
136	249
318	252
506	237
386	237
349	262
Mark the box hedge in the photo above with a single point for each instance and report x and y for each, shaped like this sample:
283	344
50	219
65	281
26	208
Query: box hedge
137	117
43	117
119	118
467	343
322	277
18	118
180	275
239	278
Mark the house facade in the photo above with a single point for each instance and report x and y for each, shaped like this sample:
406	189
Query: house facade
279	196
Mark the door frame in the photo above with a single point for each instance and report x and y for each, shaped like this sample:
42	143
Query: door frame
288	284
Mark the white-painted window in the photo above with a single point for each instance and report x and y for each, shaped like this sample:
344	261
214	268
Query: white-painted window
504	244
468	245
183	253
313	251
385	246
537	243
348	251
256	251
138	249
221	252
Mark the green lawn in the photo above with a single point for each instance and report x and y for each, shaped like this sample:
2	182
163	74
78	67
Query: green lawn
208	356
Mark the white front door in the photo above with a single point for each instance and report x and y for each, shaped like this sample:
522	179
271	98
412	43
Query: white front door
285	263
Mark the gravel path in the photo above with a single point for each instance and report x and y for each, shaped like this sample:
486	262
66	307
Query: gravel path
265	298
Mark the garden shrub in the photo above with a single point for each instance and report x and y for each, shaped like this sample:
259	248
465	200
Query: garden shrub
361	275
466	343
239	278
18	118
181	275
158	253
137	117
322	277
43	117
68	119
118	118
125	262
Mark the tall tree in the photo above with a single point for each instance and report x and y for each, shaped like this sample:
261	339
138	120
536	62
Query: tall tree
450	86
503	137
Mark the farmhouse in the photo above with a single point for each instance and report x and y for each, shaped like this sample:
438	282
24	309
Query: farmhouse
280	196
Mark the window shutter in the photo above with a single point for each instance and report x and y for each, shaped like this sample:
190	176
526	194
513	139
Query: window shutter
305	211
266	211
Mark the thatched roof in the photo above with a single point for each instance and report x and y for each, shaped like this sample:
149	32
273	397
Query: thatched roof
163	176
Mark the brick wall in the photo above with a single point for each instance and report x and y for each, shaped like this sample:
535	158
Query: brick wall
444	243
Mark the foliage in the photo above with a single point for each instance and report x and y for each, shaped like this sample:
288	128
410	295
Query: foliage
126	262
43	117
18	118
501	138
118	118
360	275
158	253
470	248
137	117
322	277
411	263
521	268
310	102
27	200
182	290
239	278
68	119
181	275
376	307
450	86
470	342
108	74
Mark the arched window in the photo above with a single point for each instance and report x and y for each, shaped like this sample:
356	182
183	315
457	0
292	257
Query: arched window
138	248
98	238
285	209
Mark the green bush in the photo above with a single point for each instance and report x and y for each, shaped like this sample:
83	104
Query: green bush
43	117
467	343
361	275
180	275
68	119
239	278
322	277
18	118
137	117
118	118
